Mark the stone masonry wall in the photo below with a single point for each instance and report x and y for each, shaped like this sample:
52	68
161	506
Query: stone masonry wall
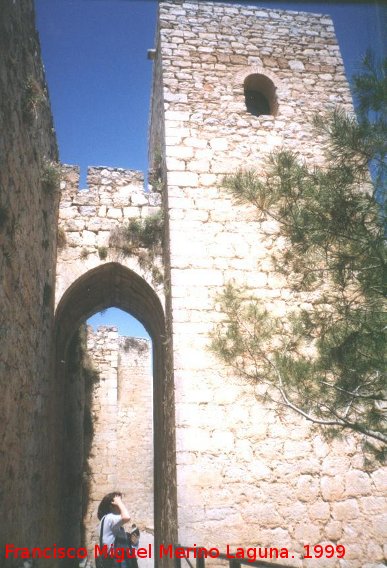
28	214
93	274
244	478
121	455
87	218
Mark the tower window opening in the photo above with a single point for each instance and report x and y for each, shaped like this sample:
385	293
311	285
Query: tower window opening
260	97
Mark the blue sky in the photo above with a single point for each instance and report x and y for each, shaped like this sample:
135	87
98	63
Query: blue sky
99	77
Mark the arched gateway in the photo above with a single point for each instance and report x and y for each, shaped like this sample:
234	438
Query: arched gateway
114	285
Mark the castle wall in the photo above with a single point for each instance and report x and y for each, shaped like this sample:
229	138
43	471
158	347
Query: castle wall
94	273
87	218
121	453
245	478
28	217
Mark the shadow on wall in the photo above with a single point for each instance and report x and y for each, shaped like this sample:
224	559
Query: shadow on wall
113	285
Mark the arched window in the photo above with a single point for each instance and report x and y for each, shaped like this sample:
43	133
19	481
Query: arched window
260	97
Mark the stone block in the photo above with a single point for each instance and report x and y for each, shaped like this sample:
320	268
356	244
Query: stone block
259	470
379	478
222	440
195	142
372	505
87	210
333	530
139	199
175	97
307	488
296	65
175	164
94	224
183	179
193	440
114	213
307	533
219	144
179	152
200	166
88	238
131	212
264	512
73	225
207	179
357	483
177	116
379	524
68	212
345	510
332	488
319	511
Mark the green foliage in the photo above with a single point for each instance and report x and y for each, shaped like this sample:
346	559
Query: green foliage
61	238
33	97
141	238
155	177
371	87
102	252
328	362
84	254
135	344
50	178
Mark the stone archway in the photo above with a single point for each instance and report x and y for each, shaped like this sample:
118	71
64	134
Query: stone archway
113	285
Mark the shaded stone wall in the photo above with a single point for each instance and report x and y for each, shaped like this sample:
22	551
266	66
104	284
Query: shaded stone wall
121	454
244	478
28	219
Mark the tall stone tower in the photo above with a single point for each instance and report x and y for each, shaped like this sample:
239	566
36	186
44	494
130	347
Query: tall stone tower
232	83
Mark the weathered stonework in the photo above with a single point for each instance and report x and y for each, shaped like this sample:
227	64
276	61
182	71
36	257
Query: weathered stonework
121	454
93	273
244	478
88	217
28	213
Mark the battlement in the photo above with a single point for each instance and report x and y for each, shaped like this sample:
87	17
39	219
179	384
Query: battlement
115	187
89	217
113	196
108	335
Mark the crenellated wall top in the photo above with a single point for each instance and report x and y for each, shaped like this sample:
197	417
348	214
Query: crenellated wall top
115	187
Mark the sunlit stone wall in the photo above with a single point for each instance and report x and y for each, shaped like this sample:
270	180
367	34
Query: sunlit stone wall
121	453
245	478
88	216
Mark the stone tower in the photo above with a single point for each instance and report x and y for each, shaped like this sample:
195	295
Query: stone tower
231	83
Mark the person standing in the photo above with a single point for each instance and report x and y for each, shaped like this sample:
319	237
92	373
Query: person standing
113	514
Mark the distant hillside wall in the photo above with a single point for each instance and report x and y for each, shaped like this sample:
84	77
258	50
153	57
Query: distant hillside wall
121	453
245	478
28	221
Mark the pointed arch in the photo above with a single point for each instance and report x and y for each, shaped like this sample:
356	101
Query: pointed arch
113	285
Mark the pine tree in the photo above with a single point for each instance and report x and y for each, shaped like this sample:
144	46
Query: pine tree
326	363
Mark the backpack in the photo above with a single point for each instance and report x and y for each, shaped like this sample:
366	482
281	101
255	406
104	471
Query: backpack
122	540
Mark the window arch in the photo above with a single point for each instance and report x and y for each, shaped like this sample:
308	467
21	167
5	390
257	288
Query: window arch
260	95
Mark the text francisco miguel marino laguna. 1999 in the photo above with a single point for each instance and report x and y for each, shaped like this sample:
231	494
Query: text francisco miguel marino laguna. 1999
249	554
